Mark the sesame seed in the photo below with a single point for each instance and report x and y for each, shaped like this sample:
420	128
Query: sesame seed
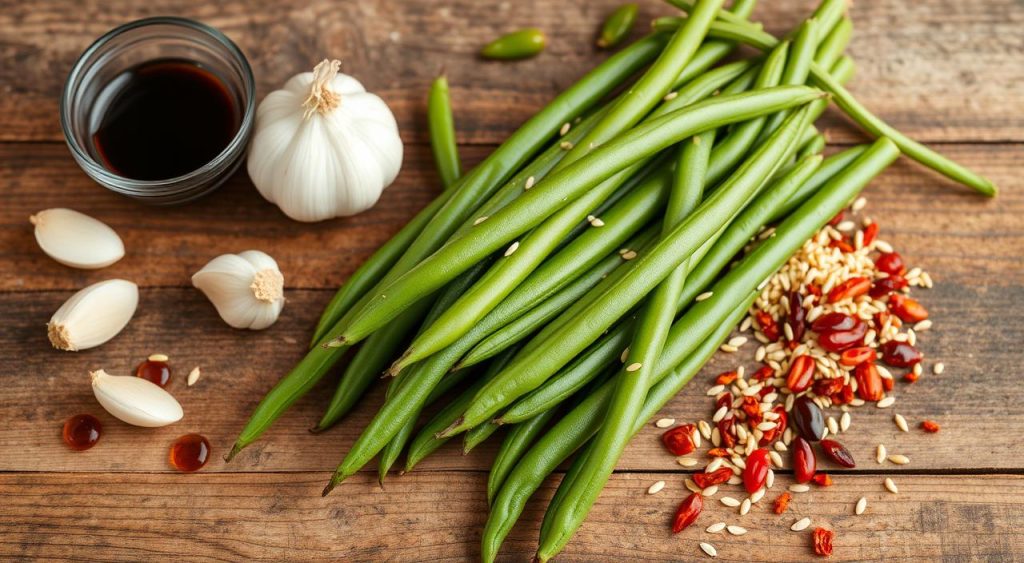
692	486
890	485
634	366
656	488
705	429
708	549
670	96
880	453
193	376
846	226
886	402
780	447
715	528
899	459
720	414
901	422
776	458
564	129
801	524
665	422
923	325
769	481
758	494
629	255
799	488
687	461
859	204
158	358
529	183
513	248
734	480
745	507
736	530
844	422
738	341
833	425
730	502
759	355
861	506
710	491
938	368
883	246
729	349
480	220
565	145
747	321
705	295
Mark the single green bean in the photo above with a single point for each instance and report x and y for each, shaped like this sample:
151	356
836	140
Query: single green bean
814	145
844	69
539	363
516	45
516	443
798	66
835	43
442	132
475	187
617	25
829	168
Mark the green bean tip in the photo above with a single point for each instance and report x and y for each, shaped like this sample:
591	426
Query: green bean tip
231	454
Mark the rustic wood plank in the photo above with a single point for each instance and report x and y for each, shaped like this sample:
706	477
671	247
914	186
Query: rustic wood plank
970	400
939	69
966	238
439	516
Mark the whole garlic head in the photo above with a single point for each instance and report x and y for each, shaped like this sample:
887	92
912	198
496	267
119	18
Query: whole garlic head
246	288
94	315
323	146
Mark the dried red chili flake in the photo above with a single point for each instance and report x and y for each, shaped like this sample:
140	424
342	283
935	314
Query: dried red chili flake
884	286
782	503
858	355
718	452
850	289
842	244
716	477
870	234
813	289
801	373
838	453
756	471
804	460
869	382
679	440
930	426
911	377
881	318
837	219
763	373
797	317
828	387
891	263
822	480
726	431
822	539
765	390
752	407
900	354
907	309
687	512
844	397
888	383
724	400
726	378
768	326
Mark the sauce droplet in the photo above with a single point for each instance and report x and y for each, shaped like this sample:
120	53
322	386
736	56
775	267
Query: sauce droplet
190	452
81	431
154	371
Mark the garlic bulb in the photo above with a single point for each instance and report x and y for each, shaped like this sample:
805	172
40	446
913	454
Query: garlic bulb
135	400
323	146
246	288
94	315
75	239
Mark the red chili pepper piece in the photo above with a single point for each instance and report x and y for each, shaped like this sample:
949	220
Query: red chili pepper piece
833	322
837	219
870	234
801	373
900	354
838	453
763	373
869	382
807	419
716	477
679	440
907	309
725	430
797	317
859	355
888	383
891	263
887	285
768	326
911	377
930	426
822	539
828	387
804	461
850	289
837	341
688	512
752	407
814	289
822	480
726	378
782	503
881	318
724	400
842	244
717	452
756	471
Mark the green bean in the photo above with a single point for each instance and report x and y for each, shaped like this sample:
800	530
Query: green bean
862	116
442	132
798	66
617	25
690	342
814	145
475	187
516	443
539	363
555	191
653	325
829	168
569	481
844	69
516	45
833	45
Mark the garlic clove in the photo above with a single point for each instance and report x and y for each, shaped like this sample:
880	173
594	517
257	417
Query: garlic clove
247	289
76	239
93	316
135	400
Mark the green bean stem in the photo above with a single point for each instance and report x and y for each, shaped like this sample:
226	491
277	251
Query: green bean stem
442	132
617	25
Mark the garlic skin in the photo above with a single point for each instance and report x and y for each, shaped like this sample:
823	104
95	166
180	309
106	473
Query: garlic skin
246	288
76	239
93	316
134	400
323	146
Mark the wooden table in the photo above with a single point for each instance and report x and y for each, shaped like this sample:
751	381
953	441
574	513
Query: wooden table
945	72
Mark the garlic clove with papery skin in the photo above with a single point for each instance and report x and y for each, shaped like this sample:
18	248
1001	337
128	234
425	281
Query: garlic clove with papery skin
135	400
93	316
76	239
246	288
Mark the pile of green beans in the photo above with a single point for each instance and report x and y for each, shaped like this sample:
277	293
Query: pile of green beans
549	293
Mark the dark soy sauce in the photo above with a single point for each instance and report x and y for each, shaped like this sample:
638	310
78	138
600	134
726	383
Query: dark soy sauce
163	119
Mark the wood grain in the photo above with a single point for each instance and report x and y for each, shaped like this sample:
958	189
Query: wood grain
941	70
437	516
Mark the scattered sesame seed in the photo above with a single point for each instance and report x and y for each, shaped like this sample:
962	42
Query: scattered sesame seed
564	129
634	366
859	204
565	145
938	368
715	528
193	376
776	458
687	461
730	502
656	488
670	96
703	296
861	506
899	459
705	429
529	183
158	358
844	422
769	481
729	349
890	485
880	453
513	248
758	494
692	486
710	491
665	422
629	255
886	402
737	341
799	488
480	220
901	422
736	530
709	549
745	507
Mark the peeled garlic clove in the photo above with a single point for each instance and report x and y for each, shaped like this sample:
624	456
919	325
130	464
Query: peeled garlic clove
135	400
246	288
94	315
75	239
